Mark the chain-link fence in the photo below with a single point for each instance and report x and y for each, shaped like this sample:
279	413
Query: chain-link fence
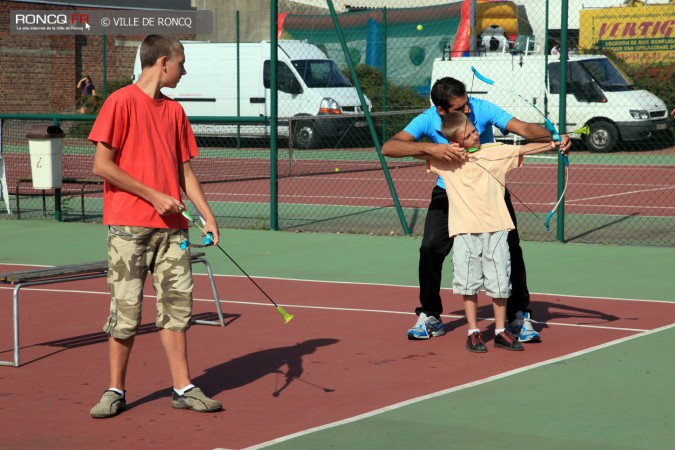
329	176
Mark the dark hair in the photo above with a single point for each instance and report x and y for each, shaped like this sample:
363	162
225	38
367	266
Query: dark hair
155	46
446	89
453	121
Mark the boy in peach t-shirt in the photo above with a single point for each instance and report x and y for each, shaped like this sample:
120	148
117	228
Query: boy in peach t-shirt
479	222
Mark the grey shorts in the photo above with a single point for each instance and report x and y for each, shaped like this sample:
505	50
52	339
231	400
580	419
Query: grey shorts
482	260
132	253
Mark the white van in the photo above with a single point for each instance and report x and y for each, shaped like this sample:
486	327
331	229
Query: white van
310	85
598	94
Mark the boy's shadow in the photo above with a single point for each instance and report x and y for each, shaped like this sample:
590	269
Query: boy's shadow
246	369
542	312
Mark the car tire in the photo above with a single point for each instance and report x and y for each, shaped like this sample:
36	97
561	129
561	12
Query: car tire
603	137
304	135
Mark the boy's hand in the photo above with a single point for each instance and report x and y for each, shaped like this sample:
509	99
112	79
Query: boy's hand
212	229
565	144
165	204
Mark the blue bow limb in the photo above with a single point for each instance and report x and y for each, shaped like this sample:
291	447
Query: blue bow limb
481	77
547	223
208	238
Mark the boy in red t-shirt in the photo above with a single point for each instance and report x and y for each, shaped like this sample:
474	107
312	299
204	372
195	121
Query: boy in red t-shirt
144	144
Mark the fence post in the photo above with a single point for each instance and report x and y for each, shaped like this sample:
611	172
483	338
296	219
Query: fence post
562	122
384	75
238	81
57	191
369	119
274	117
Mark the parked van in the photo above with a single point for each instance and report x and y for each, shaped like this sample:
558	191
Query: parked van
598	94
311	87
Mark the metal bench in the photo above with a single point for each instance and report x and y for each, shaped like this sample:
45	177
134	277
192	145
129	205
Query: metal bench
83	182
75	272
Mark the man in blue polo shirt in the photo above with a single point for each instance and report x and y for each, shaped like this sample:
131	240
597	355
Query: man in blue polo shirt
449	94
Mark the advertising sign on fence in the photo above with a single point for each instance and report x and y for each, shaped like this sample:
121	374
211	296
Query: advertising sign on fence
638	35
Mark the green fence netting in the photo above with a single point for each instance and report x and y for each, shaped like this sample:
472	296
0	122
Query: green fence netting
621	180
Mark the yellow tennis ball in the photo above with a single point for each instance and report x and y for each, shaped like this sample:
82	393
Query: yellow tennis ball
337	169
420	27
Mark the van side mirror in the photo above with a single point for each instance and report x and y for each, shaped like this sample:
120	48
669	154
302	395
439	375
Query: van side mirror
589	92
293	86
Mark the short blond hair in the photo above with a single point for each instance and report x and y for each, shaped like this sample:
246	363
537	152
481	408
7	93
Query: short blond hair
454	121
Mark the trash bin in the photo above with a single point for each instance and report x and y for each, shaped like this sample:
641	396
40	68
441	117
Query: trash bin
45	144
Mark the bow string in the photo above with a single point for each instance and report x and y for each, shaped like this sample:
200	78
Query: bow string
555	136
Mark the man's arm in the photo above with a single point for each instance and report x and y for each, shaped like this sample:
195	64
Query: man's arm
533	148
193	190
403	144
105	167
536	133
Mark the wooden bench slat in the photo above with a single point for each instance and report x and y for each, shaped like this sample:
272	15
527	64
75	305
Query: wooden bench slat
22	276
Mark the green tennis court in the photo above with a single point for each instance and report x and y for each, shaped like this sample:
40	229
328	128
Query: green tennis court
609	395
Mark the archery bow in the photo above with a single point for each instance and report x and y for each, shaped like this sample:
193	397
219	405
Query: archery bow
555	135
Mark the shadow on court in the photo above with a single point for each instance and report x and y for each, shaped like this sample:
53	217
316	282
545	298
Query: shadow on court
101	338
246	369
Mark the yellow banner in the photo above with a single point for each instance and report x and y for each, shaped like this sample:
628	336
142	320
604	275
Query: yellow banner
638	36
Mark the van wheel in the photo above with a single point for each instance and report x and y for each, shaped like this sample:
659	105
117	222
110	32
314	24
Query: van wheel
304	135
602	138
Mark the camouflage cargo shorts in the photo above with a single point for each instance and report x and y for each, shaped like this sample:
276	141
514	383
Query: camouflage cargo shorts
132	253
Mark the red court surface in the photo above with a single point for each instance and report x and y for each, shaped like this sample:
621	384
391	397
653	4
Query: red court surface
592	189
344	354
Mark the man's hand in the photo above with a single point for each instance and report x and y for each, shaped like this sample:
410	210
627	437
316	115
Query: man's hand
403	145
447	152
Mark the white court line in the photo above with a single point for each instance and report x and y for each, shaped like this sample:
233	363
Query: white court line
362	310
620	194
363	283
595	206
568	201
329	197
359	283
455	389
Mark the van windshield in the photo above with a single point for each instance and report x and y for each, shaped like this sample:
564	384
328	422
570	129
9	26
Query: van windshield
320	73
607	75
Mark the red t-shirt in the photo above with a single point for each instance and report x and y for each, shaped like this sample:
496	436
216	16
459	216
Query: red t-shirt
151	138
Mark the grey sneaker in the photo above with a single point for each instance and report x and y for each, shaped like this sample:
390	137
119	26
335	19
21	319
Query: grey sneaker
111	404
195	400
